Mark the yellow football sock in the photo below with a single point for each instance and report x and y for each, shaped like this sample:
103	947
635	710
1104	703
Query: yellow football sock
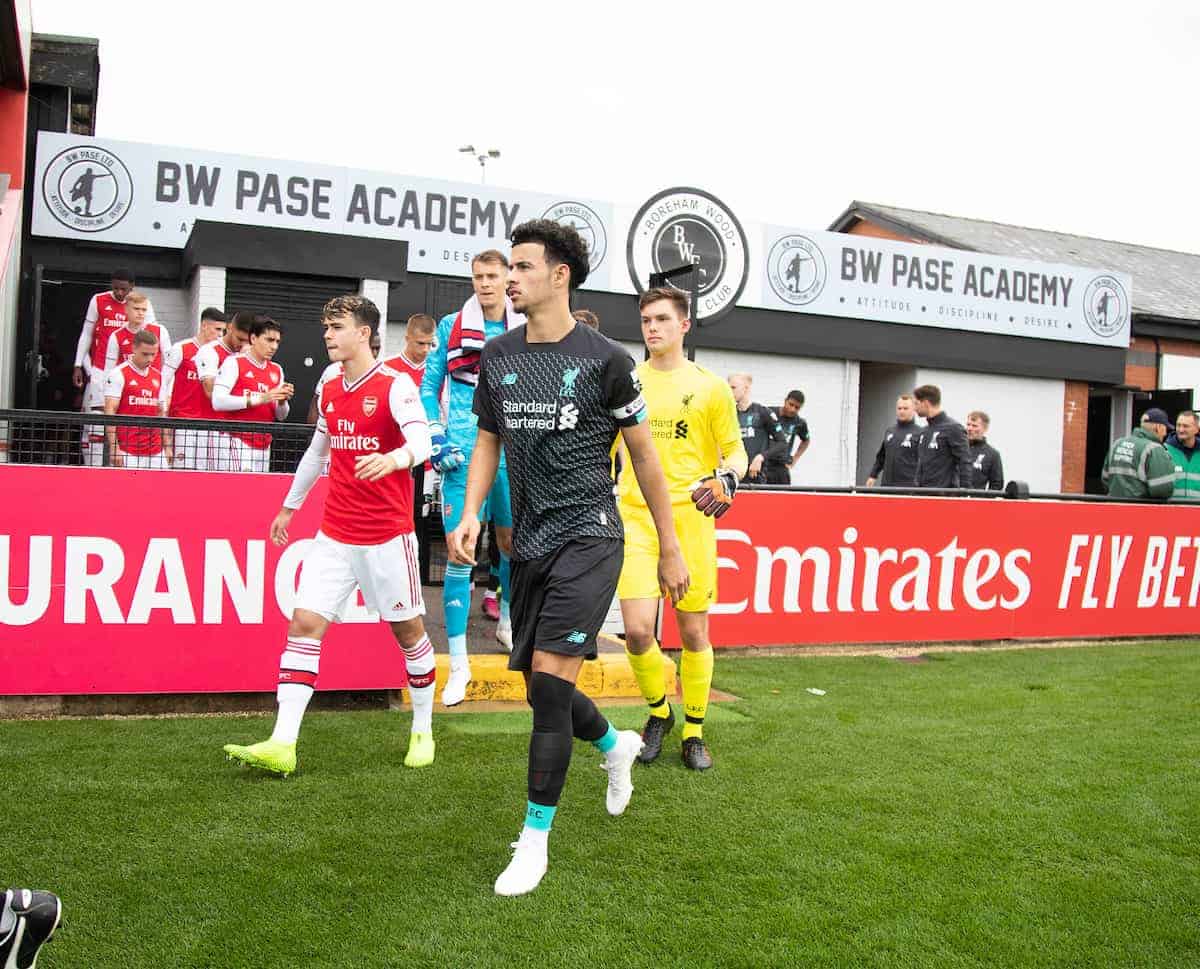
695	672
648	671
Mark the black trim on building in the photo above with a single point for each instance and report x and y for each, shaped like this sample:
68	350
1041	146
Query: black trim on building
293	251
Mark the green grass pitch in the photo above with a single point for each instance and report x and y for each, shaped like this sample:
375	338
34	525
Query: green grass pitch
1026	808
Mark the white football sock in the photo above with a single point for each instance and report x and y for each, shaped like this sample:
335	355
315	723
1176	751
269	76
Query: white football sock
419	661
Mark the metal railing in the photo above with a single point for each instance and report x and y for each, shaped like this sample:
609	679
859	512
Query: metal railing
103	440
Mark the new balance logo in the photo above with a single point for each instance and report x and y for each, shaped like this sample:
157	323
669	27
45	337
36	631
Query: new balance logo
508	379
568	417
576	637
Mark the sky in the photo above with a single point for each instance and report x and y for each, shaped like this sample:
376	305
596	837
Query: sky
1077	117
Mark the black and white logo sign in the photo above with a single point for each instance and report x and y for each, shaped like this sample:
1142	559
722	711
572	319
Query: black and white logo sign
587	223
686	226
87	188
796	269
1105	306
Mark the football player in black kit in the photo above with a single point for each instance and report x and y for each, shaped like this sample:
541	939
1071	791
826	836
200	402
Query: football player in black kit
765	439
555	393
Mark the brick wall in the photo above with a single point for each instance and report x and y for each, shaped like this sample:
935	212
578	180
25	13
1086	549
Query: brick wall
207	289
1074	438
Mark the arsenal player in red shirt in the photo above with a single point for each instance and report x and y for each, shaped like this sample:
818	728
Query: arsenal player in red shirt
183	390
214	451
251	387
120	341
134	388
372	430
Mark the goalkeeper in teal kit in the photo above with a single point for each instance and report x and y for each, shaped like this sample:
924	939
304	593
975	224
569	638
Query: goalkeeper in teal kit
460	340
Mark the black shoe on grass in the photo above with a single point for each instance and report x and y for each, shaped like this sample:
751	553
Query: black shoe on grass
38	915
654	733
695	754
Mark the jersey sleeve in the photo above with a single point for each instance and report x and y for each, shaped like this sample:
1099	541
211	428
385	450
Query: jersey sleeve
172	359
223	398
482	402
622	389
207	362
727	432
114	383
405	403
83	348
802	429
112	352
435	372
777	438
164	341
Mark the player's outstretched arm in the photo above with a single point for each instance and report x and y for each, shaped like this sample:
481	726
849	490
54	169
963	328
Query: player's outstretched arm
485	459
672	571
307	472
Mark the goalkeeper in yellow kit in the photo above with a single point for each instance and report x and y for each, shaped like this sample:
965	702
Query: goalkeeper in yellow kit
693	421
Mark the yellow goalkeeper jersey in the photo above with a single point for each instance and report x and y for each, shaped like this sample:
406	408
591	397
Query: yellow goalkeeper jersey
693	420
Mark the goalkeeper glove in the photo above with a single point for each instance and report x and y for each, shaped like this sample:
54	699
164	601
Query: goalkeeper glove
714	494
443	455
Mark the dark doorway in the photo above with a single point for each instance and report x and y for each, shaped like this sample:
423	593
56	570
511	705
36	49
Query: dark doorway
65	301
295	302
1172	401
1099	432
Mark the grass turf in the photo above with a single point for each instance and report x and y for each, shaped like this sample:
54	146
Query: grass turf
1032	808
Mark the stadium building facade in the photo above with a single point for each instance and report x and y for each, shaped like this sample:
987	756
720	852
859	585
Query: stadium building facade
882	301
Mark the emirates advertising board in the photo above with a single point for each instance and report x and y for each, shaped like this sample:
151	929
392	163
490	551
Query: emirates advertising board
143	194
135	598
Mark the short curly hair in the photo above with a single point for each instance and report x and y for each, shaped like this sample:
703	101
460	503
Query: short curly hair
563	245
365	312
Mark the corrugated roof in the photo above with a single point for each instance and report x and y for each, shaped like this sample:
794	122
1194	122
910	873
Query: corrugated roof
1165	283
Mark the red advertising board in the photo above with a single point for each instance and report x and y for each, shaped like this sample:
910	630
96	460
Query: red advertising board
800	568
157	582
161	582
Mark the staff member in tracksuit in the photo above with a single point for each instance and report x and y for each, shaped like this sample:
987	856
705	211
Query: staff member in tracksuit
763	435
896	460
1138	465
1182	446
987	470
943	458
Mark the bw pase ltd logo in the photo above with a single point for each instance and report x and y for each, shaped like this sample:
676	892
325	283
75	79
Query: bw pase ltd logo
689	227
796	269
87	189
587	223
1106	306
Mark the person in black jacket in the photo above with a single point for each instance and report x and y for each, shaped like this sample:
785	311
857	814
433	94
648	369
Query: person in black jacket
896	461
765	439
943	458
987	470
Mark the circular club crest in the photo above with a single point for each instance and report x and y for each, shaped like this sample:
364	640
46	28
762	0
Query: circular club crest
87	189
796	269
683	226
587	223
1106	306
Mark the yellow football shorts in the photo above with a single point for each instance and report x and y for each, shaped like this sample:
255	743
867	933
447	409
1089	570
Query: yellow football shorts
698	539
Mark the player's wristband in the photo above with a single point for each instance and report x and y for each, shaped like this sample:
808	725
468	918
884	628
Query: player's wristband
402	456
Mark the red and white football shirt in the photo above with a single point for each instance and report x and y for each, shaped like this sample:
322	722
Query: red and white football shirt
120	346
138	392
367	417
105	314
187	396
416	372
209	360
244	376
